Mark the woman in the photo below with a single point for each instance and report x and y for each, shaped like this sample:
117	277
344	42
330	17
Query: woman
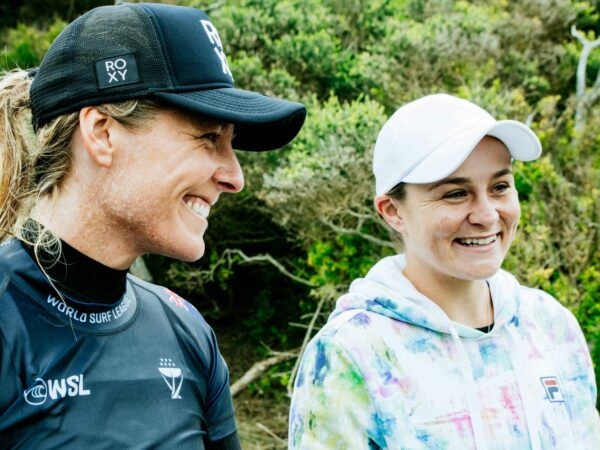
135	118
437	347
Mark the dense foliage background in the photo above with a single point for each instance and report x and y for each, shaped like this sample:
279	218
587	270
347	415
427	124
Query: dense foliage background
280	252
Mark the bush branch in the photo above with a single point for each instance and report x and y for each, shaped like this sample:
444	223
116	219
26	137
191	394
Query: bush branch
258	369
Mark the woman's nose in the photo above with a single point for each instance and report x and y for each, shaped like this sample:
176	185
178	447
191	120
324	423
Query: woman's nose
229	175
484	211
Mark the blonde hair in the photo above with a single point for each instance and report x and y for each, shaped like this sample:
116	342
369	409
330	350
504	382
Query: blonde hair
33	165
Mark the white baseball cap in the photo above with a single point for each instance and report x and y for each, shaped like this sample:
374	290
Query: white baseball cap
429	138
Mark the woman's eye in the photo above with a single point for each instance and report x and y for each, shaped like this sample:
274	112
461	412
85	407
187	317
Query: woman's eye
455	195
501	187
212	137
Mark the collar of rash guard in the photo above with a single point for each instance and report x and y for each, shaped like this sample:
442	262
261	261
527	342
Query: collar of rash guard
79	276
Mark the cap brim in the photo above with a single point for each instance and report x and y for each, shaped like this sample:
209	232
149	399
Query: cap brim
261	122
521	142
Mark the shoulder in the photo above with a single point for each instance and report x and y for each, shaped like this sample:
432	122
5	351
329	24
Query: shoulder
538	303
538	310
355	334
17	269
172	301
10	250
184	318
345	324
524	301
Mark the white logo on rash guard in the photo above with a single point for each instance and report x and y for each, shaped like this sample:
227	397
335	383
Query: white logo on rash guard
36	394
172	376
100	317
64	387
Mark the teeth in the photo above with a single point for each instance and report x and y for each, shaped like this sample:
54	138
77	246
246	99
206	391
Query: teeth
198	208
482	241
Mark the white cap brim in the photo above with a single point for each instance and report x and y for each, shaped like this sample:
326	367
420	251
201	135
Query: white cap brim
521	142
427	139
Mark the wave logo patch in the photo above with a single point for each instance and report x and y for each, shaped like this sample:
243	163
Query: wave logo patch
553	392
172	376
36	394
55	389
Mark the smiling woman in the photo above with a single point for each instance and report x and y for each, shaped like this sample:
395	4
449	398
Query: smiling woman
153	186
430	348
458	229
118	145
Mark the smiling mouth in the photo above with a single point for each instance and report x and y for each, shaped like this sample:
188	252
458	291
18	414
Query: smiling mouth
477	242
198	208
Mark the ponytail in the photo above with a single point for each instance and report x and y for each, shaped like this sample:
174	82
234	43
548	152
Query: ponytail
16	141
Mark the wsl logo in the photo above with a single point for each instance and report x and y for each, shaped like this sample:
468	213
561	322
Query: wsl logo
41	390
172	376
553	393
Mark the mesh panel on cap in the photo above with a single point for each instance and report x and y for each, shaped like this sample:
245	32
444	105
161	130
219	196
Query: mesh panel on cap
169	54
67	78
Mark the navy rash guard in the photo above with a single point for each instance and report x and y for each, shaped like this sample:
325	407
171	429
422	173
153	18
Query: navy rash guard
139	370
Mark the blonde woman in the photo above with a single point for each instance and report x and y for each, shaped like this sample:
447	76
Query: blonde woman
135	118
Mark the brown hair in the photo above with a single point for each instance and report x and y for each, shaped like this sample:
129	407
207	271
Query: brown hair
398	192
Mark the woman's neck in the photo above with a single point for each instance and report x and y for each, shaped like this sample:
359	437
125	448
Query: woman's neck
76	274
85	228
467	302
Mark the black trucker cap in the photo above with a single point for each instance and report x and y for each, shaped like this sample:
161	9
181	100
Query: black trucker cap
169	53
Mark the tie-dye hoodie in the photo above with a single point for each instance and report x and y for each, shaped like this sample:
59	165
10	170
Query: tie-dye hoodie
391	371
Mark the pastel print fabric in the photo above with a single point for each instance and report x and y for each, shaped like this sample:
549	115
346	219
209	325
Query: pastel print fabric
391	371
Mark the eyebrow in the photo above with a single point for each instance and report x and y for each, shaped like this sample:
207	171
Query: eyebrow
464	180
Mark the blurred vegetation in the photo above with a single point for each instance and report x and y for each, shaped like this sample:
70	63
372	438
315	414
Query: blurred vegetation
309	207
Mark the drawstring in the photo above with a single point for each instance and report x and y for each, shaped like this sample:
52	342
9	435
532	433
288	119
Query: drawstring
473	403
531	417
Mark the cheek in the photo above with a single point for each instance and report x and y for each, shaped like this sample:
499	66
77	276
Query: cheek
430	225
512	214
131	198
445	226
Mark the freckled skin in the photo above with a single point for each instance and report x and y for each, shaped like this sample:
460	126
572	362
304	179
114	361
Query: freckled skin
163	165
457	231
479	203
135	204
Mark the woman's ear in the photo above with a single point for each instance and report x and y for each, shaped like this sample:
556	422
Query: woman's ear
95	129
390	211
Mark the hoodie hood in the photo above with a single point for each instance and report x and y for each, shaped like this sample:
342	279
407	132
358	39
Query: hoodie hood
386	291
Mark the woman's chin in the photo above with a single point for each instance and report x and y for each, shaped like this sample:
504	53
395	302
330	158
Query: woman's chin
187	246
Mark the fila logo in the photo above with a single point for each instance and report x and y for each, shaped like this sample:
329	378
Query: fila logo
553	393
215	40
117	71
172	376
40	391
